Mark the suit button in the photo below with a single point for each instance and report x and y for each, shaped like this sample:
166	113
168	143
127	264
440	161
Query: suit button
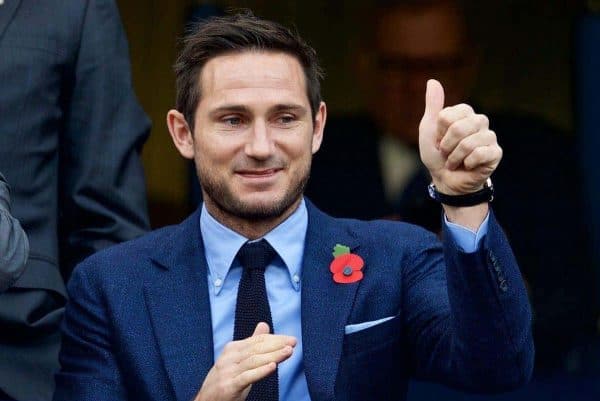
492	257
503	285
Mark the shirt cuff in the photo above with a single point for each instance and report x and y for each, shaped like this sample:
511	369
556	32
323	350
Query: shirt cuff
466	239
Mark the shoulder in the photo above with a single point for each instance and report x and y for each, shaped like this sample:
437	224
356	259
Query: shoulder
381	234
123	261
388	233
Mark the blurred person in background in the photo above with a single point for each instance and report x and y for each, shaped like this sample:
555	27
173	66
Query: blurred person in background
14	246
377	157
71	133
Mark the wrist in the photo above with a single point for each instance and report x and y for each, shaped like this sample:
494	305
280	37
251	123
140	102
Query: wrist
446	190
469	217
448	197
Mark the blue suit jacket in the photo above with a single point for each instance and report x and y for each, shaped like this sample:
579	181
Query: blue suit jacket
138	325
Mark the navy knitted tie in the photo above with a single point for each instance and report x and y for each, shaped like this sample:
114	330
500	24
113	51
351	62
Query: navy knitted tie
252	307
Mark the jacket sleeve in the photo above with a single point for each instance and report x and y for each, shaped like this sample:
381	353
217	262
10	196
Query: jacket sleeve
468	315
14	246
89	370
102	187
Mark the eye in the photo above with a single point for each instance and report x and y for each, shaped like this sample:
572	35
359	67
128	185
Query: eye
230	121
286	119
233	121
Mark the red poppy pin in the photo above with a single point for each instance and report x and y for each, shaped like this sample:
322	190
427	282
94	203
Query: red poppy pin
346	267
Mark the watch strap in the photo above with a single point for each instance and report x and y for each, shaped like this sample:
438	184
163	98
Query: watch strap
486	194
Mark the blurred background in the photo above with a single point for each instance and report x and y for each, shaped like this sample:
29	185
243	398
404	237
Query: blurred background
526	49
531	64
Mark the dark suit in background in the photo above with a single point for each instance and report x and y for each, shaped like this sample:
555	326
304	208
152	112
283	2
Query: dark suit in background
14	246
71	131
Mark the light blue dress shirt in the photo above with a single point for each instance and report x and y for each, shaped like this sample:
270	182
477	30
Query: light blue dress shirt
283	281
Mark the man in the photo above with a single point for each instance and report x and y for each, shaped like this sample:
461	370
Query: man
412	41
71	132
416	40
245	301
14	246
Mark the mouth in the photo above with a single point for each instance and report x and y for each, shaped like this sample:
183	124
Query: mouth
259	179
264	173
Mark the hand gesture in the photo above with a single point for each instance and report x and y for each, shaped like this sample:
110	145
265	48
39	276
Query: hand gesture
456	144
243	363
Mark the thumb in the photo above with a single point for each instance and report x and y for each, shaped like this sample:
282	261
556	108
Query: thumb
261	328
434	100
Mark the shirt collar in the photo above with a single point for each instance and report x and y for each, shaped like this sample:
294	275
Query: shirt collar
221	244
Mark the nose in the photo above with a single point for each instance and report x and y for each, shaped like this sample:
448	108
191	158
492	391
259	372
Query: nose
259	145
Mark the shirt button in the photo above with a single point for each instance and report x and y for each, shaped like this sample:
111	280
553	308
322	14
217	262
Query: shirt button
218	282
296	278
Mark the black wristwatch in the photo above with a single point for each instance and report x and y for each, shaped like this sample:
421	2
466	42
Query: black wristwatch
483	195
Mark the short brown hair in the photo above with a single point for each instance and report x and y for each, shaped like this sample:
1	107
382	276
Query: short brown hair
236	33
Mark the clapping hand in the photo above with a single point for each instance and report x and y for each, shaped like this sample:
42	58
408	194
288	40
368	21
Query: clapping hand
245	362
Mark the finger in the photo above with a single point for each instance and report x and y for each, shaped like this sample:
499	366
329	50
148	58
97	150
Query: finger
233	361
489	156
259	342
248	377
261	328
434	100
450	115
256	360
262	344
270	340
468	145
460	129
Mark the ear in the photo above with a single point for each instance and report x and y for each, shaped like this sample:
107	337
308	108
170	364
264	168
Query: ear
180	133
319	126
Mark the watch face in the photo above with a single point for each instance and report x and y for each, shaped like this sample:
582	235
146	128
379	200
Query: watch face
431	191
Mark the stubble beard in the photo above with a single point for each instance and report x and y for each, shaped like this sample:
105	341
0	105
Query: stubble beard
228	203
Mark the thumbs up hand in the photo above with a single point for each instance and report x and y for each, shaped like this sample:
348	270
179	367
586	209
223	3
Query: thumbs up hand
456	144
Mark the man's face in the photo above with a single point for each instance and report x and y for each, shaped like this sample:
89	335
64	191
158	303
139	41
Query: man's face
413	46
254	134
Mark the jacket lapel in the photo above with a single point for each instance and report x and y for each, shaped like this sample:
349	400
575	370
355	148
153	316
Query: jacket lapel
179	308
326	304
7	11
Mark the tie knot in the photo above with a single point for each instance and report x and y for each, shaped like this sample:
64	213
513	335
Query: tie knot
256	255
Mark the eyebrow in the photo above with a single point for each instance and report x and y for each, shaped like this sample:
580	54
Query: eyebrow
228	108
288	107
235	108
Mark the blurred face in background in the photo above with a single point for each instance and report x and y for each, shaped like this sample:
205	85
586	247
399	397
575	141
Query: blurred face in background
413	44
